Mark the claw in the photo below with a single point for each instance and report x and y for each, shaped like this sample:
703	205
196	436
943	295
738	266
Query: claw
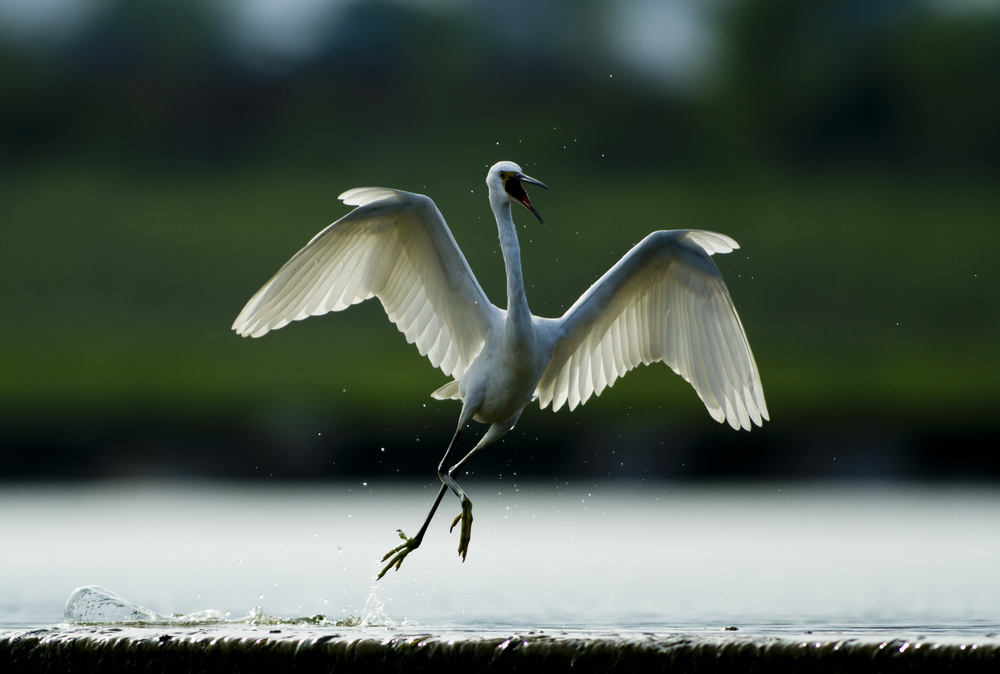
465	535
400	551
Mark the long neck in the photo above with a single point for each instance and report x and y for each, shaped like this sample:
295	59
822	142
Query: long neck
517	304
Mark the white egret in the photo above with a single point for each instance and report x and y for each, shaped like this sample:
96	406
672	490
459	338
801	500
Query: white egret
665	300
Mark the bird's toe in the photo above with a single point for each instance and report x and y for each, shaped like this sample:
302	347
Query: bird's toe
398	553
465	533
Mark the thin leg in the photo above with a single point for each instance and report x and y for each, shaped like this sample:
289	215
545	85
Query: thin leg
494	433
465	517
399	553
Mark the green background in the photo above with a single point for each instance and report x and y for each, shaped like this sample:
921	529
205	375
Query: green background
156	172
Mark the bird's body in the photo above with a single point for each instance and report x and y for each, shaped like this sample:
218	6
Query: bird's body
664	300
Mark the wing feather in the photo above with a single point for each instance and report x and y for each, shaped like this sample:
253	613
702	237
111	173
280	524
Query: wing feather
664	301
395	246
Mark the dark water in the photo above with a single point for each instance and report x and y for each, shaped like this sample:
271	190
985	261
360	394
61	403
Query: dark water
583	559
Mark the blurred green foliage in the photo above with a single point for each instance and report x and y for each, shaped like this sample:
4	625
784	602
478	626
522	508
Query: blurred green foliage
152	177
857	291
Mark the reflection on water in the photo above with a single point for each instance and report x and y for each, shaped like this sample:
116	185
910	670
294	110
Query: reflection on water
631	557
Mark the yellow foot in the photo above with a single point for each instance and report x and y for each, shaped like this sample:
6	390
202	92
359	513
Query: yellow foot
465	517
399	553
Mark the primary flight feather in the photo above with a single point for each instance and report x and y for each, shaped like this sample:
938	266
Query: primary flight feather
665	300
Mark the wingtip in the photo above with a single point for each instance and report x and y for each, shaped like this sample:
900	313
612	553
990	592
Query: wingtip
246	329
360	196
713	242
741	418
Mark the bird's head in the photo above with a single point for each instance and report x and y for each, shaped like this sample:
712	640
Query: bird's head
507	178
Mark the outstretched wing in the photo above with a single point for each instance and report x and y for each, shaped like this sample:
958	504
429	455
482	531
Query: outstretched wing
665	300
395	246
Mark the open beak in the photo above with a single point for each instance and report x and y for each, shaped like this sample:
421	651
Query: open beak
516	190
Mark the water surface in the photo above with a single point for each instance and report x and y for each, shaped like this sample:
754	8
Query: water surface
579	558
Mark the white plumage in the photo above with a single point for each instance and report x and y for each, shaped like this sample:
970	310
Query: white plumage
665	300
394	246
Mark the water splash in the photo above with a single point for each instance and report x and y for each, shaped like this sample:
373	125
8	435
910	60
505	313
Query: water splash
373	614
95	605
92	604
258	617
